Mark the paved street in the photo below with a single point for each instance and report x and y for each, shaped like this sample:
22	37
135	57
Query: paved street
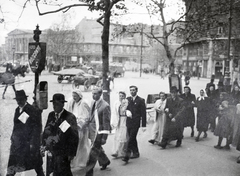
191	159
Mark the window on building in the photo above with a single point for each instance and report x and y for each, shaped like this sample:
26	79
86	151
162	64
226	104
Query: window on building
220	30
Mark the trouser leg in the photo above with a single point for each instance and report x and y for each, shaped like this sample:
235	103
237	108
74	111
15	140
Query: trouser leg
132	143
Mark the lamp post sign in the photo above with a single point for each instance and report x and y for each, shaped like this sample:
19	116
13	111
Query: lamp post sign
37	55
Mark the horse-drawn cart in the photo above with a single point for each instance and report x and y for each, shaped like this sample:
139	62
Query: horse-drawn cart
78	77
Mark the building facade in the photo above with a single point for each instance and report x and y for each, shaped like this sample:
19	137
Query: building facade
207	53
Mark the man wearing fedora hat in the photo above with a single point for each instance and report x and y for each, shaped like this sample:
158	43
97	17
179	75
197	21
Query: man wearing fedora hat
25	138
174	110
60	137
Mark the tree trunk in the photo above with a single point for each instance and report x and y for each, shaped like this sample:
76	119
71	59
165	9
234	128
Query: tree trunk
105	56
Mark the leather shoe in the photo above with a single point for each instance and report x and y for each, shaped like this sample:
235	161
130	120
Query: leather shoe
197	139
135	155
205	135
105	165
178	144
152	141
161	145
192	133
218	147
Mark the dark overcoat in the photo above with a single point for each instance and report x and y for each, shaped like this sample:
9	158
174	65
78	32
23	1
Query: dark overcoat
138	110
189	109
203	108
59	142
174	130
25	134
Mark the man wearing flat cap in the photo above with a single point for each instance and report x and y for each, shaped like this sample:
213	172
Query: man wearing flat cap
25	138
173	129
60	136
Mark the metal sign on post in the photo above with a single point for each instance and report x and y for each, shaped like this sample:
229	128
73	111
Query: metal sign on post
37	56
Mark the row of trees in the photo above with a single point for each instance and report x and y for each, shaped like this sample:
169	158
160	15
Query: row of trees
197	19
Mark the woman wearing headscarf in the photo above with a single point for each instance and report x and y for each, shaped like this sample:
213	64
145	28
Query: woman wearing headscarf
203	109
118	121
81	110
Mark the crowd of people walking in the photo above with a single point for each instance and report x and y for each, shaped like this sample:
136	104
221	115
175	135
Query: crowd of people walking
217	110
75	133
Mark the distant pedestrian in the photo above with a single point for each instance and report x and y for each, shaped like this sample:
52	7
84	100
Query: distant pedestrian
99	128
174	110
160	119
202	104
60	137
25	138
224	126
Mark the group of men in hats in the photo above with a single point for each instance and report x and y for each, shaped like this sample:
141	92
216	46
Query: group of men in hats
60	136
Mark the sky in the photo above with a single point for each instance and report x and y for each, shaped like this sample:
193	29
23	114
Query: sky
11	11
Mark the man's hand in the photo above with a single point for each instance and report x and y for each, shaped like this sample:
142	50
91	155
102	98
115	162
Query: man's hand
70	158
42	151
103	141
173	120
144	129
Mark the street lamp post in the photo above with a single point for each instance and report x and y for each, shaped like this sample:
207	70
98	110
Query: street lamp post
227	61
13	48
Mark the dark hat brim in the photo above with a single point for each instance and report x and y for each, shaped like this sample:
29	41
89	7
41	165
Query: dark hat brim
58	101
20	97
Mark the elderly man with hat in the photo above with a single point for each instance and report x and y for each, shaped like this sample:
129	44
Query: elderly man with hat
60	136
173	129
25	139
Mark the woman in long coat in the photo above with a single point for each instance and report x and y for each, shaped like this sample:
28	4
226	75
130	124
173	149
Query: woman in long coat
202	105
118	121
81	110
189	101
159	121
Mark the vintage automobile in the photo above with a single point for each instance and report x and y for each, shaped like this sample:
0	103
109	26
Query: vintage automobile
87	80
77	77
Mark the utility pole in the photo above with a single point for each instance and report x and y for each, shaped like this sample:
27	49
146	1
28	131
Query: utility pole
227	61
141	50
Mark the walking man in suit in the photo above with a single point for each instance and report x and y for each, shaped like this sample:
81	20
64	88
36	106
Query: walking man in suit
174	125
25	139
138	109
99	128
60	136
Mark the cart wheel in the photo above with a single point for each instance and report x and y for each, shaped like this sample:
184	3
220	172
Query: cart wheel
60	78
99	83
70	78
86	85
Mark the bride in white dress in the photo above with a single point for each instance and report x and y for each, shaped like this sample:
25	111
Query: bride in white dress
119	118
81	110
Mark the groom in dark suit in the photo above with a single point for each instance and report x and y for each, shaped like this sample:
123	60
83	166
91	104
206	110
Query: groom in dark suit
138	109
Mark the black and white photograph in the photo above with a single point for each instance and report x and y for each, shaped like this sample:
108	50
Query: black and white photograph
120	87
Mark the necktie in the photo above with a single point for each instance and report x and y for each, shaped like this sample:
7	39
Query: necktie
56	117
93	108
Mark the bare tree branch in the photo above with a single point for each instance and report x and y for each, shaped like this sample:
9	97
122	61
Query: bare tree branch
24	6
64	9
